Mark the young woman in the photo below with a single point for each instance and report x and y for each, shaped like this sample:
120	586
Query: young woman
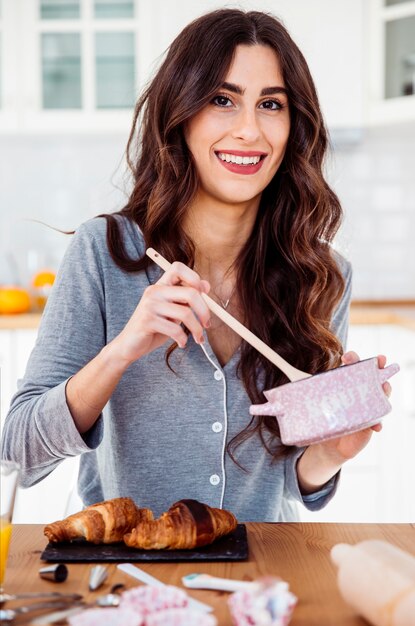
130	370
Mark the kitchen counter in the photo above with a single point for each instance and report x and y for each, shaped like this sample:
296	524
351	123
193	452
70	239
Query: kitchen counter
297	552
20	320
399	312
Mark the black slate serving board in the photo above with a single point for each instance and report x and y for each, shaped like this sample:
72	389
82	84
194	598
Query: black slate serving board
233	547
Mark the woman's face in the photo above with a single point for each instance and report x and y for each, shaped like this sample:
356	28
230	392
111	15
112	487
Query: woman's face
238	140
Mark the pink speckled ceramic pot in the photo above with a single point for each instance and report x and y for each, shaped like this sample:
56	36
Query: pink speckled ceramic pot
333	403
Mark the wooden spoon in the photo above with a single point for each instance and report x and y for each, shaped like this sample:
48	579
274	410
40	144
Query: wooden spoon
291	372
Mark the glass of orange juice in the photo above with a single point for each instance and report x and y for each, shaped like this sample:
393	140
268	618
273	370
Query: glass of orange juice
9	474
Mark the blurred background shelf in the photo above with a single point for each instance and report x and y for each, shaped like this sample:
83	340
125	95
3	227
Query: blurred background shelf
25	320
400	312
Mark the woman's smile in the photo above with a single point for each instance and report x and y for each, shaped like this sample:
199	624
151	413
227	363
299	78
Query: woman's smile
241	162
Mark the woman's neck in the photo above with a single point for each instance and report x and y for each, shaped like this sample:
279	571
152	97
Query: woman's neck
219	233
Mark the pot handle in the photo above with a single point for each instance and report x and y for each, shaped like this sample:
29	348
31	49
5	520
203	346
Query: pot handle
268	408
387	372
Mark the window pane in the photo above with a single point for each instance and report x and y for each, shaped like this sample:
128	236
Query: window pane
59	9
115	70
400	57
61	71
113	8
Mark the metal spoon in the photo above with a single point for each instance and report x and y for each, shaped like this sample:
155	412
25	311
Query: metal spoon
8	615
108	599
104	601
5	597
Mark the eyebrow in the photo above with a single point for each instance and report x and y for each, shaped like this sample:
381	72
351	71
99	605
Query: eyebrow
267	91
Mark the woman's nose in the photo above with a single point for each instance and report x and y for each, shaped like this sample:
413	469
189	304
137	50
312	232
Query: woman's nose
246	127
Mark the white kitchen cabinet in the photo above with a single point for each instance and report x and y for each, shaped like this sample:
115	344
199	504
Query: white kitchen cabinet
67	43
390	37
6	372
15	348
78	69
356	50
377	486
55	496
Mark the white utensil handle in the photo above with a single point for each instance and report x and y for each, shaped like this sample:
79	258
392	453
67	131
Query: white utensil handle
57	616
291	372
205	581
139	574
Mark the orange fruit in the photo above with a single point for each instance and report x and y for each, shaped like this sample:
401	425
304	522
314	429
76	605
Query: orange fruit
14	300
43	278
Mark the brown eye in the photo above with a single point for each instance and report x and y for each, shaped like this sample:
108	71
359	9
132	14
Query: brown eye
271	105
222	101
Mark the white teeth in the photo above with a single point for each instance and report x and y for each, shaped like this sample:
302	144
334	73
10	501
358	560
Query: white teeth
239	160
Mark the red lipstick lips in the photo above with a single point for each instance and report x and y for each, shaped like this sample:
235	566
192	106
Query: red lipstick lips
241	168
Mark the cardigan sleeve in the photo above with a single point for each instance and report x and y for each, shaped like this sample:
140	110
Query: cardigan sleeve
39	431
340	317
312	501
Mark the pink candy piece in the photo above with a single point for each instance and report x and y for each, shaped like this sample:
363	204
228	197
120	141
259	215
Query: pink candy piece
327	405
180	617
268	603
147	599
109	617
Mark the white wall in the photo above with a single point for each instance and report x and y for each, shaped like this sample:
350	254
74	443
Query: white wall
375	182
58	179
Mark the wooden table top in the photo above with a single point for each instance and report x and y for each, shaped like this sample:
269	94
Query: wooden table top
297	552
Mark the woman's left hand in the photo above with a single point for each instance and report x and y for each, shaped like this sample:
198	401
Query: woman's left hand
348	446
321	461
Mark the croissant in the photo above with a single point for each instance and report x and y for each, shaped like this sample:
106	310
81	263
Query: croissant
187	524
104	522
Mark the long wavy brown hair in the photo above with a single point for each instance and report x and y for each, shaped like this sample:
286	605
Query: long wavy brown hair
288	281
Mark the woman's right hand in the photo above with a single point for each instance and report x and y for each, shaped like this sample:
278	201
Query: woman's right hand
174	300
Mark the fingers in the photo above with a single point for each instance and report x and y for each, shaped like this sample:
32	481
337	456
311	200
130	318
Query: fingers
170	329
179	295
387	389
350	357
166	308
376	427
381	360
180	274
386	386
182	314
